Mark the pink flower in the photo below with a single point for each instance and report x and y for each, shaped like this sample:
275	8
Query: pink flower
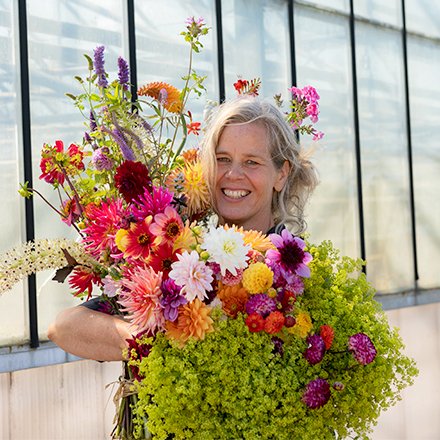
141	299
167	225
194	276
317	135
151	203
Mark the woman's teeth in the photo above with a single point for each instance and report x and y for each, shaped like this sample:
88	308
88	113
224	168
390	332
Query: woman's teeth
235	194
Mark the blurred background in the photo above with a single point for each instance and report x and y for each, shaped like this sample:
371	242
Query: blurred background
376	66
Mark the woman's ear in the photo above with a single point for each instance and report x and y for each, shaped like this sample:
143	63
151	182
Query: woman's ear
283	173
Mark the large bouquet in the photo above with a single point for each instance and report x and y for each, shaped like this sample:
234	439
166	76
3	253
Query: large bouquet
237	334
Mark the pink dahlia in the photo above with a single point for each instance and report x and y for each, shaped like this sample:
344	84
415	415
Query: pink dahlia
193	275
362	348
151	203
289	256
167	225
141	299
317	393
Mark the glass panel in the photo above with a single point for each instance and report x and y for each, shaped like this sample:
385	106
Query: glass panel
389	12
340	5
59	35
424	68
256	44
162	53
423	16
384	158
12	304
323	60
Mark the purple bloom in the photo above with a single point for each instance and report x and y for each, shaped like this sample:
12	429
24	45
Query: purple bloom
101	160
151	203
317	393
99	66
123	73
362	348
289	256
163	96
92	120
171	299
278	345
261	304
87	138
118	136
316	349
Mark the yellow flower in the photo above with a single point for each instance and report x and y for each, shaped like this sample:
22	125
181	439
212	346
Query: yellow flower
172	103
193	321
257	278
303	325
120	240
195	188
186	239
259	241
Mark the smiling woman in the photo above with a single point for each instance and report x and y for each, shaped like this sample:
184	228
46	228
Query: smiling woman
257	174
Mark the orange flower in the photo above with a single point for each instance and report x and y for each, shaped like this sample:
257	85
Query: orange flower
194	128
327	333
172	102
233	299
193	321
259	241
274	322
191	155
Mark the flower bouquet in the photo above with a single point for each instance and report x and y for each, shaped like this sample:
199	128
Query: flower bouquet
237	334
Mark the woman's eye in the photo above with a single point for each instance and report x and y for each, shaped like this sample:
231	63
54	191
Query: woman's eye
223	159
251	162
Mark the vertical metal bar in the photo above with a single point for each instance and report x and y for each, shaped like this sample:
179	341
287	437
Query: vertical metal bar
409	140
220	53
291	15
357	135
132	48
27	157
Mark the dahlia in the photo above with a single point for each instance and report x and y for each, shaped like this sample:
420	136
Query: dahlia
226	247
362	348
173	103
162	258
141	299
151	202
193	321
260	304
317	393
256	239
315	349
132	179
327	334
195	188
231	280
233	299
193	275
257	278
167	225
82	279
186	241
191	155
278	345
255	322
171	299
274	322
302	325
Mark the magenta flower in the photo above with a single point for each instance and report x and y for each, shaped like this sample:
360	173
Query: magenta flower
151	203
261	304
171	299
316	349
317	393
289	256
101	160
362	348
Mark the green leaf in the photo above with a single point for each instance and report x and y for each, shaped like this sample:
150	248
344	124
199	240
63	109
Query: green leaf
89	61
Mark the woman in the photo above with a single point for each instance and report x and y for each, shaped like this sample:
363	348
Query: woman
258	179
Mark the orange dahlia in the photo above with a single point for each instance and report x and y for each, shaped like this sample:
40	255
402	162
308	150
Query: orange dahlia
233	299
172	103
274	322
193	321
259	241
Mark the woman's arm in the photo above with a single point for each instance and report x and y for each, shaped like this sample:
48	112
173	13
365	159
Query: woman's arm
90	334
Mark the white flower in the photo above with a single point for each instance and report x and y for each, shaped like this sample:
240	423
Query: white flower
226	248
193	275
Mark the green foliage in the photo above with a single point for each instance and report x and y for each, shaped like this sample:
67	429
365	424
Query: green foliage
231	385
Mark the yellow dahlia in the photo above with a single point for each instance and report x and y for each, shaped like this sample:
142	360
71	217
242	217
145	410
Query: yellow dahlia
233	299
186	240
302	326
195	188
257	278
193	321
173	103
259	241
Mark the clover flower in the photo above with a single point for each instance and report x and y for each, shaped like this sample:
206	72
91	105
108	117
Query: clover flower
362	348
317	393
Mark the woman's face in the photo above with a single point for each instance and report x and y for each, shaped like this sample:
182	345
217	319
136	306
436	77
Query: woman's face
246	177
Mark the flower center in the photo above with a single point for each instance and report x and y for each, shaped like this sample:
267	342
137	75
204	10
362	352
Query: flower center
144	239
173	230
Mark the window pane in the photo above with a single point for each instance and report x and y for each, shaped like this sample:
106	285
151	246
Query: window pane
384	158
424	68
162	53
59	34
323	60
389	12
12	304
340	5
256	44
423	16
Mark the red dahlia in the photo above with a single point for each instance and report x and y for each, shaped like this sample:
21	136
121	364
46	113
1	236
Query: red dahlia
131	179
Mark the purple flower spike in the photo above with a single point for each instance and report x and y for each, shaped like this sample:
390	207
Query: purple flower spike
92	120
123	73
99	66
316	349
317	393
362	348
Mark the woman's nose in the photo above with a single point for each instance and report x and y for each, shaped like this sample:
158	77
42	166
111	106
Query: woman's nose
235	170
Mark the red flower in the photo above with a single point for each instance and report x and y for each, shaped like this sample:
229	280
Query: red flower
194	127
274	322
131	179
327	334
240	85
82	279
244	87
255	322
